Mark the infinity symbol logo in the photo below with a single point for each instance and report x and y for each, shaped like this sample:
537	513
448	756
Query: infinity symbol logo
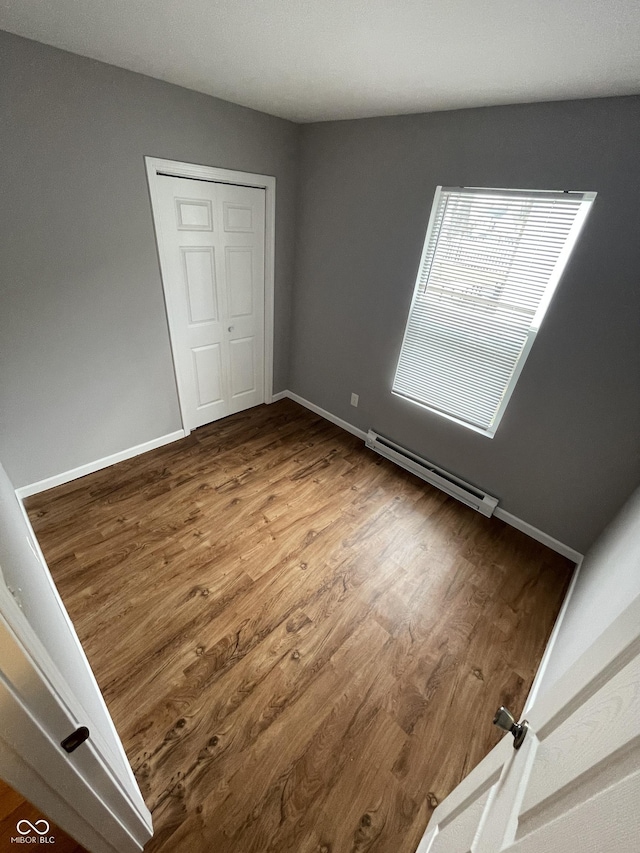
32	827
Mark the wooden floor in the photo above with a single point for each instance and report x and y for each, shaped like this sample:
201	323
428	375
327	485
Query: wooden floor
13	810
302	646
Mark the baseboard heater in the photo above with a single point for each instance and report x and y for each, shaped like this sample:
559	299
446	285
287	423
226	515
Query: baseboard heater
426	470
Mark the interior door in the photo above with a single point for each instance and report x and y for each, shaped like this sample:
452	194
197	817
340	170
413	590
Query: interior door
211	241
574	784
47	691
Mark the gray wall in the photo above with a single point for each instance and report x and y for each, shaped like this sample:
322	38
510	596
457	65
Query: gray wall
608	582
565	456
85	362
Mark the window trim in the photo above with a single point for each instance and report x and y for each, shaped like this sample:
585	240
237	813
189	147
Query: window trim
541	310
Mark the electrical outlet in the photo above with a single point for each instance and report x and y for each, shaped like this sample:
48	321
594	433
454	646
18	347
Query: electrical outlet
354	399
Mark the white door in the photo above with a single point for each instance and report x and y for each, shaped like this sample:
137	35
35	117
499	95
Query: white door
574	784
47	691
211	240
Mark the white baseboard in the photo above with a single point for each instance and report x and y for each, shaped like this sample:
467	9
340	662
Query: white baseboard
90	467
538	535
514	521
323	413
546	657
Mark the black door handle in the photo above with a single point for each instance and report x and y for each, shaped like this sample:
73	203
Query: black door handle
75	739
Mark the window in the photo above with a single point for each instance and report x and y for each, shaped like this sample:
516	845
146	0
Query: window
491	262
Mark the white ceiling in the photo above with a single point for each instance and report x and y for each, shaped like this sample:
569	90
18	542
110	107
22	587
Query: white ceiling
334	59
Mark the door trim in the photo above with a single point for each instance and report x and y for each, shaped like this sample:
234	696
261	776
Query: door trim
176	169
33	764
93	795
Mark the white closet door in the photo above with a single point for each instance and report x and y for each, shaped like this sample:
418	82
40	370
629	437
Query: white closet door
211	240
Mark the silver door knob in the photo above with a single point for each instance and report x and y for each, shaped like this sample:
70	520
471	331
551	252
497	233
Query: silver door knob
231	328
505	720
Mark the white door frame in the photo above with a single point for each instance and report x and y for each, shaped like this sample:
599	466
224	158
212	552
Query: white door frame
176	169
47	690
84	797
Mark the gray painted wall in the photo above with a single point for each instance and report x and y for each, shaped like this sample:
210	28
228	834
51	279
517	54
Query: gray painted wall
565	456
608	582
85	362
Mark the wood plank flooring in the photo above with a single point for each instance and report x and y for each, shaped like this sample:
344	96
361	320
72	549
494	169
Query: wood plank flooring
13	809
301	645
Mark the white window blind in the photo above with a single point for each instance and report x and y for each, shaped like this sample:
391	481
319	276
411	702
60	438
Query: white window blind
491	262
